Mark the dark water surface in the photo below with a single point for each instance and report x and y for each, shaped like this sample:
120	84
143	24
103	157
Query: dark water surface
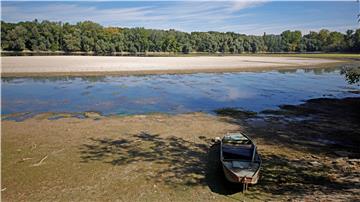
254	91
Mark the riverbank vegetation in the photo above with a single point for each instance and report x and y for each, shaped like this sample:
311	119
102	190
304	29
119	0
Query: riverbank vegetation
93	38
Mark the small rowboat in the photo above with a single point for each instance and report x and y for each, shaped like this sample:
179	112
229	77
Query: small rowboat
240	161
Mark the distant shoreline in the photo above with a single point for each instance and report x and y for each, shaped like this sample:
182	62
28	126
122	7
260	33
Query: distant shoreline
127	65
5	53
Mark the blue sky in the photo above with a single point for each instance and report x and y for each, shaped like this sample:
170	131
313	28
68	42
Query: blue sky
248	17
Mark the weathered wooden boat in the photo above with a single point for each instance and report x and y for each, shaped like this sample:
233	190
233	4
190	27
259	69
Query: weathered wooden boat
240	160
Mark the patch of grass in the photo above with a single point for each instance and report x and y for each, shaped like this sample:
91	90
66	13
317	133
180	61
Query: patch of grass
235	112
306	55
322	55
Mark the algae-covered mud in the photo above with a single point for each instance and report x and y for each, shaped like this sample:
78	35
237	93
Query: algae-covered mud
172	157
254	91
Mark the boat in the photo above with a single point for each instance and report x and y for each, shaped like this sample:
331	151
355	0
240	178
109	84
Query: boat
239	158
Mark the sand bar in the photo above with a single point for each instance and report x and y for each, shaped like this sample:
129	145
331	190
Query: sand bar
88	65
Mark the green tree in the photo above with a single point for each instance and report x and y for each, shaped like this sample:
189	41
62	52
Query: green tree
17	38
71	38
336	42
88	36
292	40
356	41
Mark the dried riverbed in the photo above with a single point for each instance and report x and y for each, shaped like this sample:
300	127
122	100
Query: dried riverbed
110	65
308	150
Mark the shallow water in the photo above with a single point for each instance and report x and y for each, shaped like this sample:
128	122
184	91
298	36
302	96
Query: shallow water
254	91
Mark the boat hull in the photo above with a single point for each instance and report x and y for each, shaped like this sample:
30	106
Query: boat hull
239	158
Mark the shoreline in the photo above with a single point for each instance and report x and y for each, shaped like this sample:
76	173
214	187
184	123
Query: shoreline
38	66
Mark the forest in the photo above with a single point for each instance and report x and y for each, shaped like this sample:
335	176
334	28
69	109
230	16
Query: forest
91	37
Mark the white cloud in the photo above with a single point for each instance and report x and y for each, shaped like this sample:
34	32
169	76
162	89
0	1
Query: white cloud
74	12
239	5
186	15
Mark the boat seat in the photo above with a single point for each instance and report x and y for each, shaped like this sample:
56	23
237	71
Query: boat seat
238	152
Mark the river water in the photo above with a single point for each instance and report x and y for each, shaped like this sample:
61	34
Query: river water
253	91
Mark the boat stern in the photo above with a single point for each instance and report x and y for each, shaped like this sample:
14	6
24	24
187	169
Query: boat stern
241	176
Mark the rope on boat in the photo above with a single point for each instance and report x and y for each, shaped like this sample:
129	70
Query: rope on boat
245	185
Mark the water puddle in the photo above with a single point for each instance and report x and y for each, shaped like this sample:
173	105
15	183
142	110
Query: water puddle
206	92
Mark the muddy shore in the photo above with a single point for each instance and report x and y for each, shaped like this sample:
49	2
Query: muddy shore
309	152
126	65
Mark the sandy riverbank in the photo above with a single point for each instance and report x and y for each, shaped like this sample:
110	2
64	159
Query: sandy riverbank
95	65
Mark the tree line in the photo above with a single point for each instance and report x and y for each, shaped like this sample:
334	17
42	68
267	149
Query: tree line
88	36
